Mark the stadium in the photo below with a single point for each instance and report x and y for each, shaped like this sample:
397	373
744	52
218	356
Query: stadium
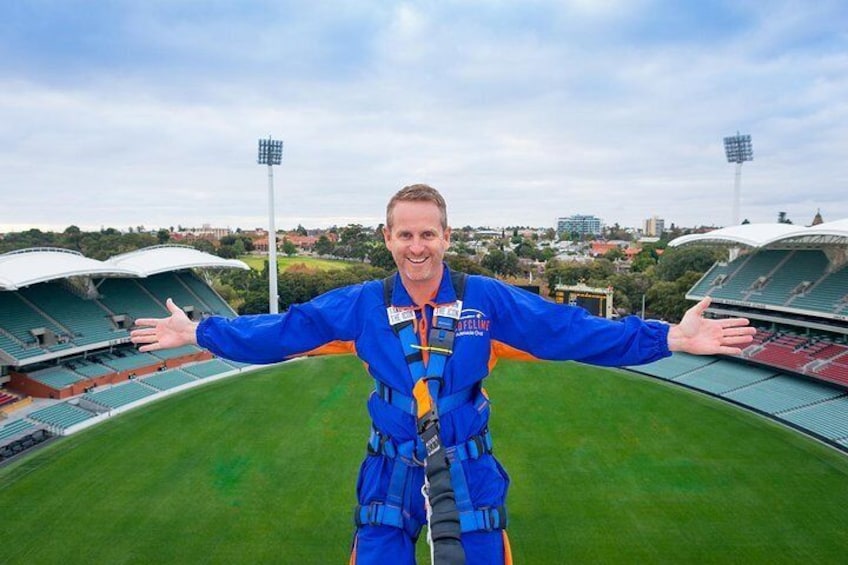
694	466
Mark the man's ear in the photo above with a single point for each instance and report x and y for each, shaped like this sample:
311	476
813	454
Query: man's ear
387	235
447	234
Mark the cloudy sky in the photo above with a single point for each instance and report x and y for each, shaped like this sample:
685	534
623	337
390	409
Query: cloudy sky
124	113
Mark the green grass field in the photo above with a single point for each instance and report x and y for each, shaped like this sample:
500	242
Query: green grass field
607	467
257	262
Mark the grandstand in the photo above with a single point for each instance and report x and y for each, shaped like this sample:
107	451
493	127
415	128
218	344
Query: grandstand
64	331
792	283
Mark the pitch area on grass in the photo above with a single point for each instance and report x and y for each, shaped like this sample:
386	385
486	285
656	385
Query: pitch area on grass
606	467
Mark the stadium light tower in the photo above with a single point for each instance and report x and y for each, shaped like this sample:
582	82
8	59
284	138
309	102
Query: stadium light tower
738	150
271	153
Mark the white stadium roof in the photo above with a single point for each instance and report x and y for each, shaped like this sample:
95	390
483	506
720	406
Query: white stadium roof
26	267
775	235
164	258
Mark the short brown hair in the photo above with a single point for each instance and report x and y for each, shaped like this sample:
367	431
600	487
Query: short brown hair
418	193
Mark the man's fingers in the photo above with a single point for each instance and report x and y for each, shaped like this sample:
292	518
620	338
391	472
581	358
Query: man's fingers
736	340
745	330
143	336
702	305
172	308
735	322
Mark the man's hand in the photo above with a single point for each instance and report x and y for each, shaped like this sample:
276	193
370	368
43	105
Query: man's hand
164	333
701	336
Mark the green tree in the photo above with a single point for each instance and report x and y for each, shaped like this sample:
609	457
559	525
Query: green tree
501	263
674	262
380	256
289	248
464	264
324	246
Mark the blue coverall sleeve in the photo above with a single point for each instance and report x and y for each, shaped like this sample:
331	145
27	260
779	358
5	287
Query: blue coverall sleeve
551	331
268	338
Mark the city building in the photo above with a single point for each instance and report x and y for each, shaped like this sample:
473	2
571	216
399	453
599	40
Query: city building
579	224
654	227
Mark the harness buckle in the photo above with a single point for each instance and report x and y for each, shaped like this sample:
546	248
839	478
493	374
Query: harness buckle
490	518
441	340
374	513
479	445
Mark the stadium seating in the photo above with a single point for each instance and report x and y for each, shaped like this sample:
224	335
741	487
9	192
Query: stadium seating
215	303
120	395
798	267
714	278
87	321
166	354
165	380
6	398
168	285
17	320
56	377
782	393
89	369
672	367
722	377
835	371
828	419
826	293
127	296
62	415
751	268
208	368
128	359
13	429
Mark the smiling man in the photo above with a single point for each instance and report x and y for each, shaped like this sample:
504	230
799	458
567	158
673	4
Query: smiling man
417	234
429	337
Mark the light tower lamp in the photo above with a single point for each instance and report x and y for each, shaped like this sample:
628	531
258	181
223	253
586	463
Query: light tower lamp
271	153
738	150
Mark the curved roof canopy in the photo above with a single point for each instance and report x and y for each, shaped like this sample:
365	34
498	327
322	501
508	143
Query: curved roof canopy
26	267
40	264
774	235
164	258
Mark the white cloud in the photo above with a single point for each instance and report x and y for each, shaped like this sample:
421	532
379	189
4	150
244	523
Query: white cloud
519	112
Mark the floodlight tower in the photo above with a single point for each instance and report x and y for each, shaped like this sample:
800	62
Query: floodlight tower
271	153
738	150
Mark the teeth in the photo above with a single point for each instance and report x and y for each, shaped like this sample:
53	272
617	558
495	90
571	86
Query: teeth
417	261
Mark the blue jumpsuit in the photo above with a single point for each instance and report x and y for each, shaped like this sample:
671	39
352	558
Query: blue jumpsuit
497	320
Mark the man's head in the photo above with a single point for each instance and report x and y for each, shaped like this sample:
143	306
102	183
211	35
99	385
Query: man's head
417	235
418	193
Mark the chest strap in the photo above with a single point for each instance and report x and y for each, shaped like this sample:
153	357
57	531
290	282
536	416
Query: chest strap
446	403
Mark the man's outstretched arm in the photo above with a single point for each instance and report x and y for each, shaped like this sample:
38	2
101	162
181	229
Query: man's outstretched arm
702	336
165	333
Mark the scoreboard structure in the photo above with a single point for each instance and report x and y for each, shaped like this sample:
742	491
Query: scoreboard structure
598	301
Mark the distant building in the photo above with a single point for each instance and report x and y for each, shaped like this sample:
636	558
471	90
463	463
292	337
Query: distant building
206	232
579	224
654	227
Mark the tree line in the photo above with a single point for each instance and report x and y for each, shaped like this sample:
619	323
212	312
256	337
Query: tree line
657	277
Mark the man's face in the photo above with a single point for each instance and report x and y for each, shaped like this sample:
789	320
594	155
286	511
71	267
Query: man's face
417	241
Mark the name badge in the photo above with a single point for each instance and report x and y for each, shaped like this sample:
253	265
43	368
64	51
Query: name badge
400	315
450	310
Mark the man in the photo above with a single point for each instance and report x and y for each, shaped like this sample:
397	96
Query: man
426	324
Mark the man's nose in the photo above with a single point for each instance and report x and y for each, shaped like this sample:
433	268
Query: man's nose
416	246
